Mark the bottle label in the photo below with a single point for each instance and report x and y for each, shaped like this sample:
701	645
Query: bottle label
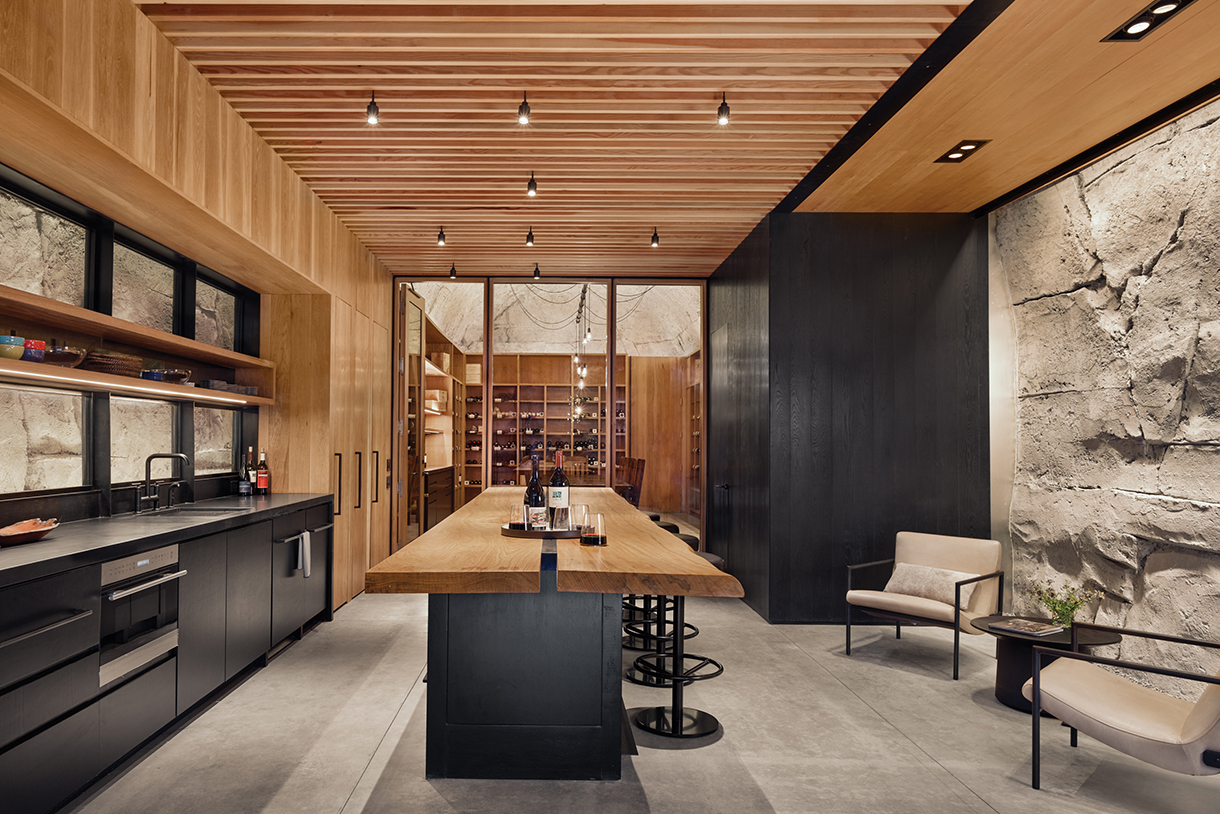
537	517
243	486
264	479
557	497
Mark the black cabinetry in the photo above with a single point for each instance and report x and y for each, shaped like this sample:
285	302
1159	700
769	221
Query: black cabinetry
48	621
300	583
438	488
51	766
201	618
136	711
247	597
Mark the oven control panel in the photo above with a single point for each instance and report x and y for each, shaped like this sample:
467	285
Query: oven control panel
128	567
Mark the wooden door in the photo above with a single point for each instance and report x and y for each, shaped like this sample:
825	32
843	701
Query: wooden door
406	518
343	463
380	410
359	444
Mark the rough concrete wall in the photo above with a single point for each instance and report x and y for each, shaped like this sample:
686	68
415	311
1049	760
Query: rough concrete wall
1114	277
41	253
143	290
139	428
215	315
213	440
42	444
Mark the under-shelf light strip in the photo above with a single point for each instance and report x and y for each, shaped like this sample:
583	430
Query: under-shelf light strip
123	387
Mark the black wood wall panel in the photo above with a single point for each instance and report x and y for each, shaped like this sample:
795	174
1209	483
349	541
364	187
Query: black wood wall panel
874	399
738	420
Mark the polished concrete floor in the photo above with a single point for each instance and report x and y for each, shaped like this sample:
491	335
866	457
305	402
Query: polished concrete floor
335	724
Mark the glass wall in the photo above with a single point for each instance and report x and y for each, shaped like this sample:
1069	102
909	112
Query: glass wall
139	428
215	315
549	382
41	252
43	443
215	438
143	289
659	329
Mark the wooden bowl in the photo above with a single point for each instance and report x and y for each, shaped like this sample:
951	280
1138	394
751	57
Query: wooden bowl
27	531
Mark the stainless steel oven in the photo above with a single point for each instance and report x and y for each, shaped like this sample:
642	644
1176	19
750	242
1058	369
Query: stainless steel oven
139	612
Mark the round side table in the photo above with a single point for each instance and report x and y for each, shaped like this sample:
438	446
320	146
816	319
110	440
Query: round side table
1014	655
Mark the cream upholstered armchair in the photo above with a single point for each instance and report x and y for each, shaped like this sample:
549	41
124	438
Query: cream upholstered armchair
1148	725
936	580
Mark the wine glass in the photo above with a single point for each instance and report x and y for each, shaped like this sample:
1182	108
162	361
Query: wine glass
516	517
593	531
579	512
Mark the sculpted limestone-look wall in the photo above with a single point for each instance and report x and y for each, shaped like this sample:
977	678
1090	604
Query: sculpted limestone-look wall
1114	277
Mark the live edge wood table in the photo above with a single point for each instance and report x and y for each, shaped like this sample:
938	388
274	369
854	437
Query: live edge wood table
524	645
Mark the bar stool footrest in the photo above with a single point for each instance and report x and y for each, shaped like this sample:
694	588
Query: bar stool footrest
636	676
688	723
655	664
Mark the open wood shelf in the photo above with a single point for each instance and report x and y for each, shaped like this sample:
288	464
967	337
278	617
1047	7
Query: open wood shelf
66	378
49	316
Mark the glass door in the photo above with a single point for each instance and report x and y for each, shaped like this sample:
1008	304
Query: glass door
408	403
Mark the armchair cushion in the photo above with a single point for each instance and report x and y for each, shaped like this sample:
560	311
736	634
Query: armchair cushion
913	606
930	583
1138	721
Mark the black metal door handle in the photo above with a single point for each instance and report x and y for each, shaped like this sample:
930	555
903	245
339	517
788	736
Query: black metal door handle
724	486
339	499
376	467
359	479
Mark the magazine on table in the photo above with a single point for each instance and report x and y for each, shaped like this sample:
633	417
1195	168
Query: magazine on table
1027	626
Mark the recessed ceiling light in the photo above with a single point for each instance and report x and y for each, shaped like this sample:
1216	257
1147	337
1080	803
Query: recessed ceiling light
523	112
373	113
722	113
961	151
1147	20
529	238
440	237
531	189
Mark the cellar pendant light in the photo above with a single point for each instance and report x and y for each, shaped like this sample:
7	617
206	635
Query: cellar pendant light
722	114
529	238
656	239
374	115
453	271
537	273
531	189
523	112
440	237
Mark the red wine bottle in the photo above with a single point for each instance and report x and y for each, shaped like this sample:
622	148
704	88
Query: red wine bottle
535	498
557	496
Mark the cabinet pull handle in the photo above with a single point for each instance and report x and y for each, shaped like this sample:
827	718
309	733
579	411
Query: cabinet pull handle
47	628
152	583
376	469
339	500
319	529
359	479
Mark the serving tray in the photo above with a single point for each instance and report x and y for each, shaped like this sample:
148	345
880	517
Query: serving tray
544	534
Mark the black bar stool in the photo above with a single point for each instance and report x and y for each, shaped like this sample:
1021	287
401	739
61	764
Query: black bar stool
676	720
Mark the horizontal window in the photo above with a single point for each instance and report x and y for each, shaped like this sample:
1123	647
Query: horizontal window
43	442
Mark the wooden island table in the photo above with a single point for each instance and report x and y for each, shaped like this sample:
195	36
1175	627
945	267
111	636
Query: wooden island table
525	637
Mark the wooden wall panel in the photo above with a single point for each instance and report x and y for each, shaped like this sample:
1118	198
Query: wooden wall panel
381	394
658	428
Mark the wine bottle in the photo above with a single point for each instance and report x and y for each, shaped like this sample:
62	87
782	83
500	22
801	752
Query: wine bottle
244	487
557	496
251	470
262	485
535	499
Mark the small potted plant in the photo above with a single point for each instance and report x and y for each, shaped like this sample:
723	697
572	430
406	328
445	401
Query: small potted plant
1062	603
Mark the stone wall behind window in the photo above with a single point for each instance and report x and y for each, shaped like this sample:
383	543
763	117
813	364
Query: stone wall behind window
41	253
1114	278
42	445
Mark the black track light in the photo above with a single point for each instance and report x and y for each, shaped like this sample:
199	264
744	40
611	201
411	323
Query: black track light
374	114
1143	23
537	273
656	239
531	189
722	114
452	271
529	239
523	112
440	237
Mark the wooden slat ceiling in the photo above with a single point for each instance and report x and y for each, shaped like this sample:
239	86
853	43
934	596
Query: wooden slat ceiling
623	137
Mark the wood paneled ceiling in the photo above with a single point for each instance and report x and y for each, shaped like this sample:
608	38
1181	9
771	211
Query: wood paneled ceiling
623	135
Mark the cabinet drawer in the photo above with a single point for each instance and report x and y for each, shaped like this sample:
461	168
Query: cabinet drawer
28	706
43	771
48	621
137	710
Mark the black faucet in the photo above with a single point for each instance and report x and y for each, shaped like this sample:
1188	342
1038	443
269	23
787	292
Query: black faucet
150	493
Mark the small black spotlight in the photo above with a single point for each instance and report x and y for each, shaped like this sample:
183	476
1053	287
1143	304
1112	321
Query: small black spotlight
440	237
374	114
656	239
722	113
523	112
453	271
531	189
529	238
961	151
537	273
1147	20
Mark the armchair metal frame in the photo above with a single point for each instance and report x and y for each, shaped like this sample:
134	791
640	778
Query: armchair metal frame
902	618
1210	758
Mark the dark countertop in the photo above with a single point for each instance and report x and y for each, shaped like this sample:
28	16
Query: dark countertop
86	542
